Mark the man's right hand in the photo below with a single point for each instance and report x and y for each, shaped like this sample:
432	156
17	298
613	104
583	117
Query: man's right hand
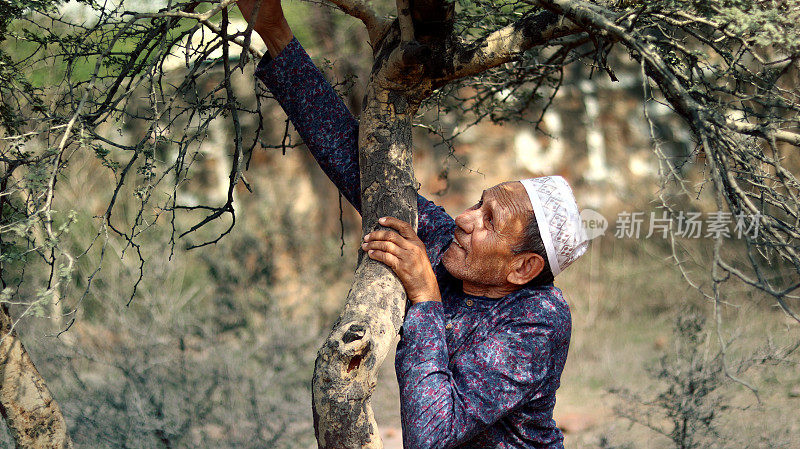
270	23
405	254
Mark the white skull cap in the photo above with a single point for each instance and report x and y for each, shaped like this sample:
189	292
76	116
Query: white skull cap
559	220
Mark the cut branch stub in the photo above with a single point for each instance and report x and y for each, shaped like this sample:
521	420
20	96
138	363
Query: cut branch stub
433	19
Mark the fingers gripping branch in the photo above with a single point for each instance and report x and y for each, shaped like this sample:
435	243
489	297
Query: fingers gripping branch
400	249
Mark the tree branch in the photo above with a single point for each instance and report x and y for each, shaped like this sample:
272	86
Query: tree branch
404	20
34	419
723	140
506	44
205	19
376	26
187	12
761	131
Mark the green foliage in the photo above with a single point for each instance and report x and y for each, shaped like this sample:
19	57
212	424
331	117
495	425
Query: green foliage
765	23
478	18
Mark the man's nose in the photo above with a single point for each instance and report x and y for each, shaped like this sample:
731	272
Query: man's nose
467	220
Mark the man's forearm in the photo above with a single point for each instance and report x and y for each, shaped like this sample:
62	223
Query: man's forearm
318	114
276	38
269	22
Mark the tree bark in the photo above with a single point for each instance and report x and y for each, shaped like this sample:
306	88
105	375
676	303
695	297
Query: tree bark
32	415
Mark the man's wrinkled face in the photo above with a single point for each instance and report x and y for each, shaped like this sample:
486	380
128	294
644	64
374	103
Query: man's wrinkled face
486	234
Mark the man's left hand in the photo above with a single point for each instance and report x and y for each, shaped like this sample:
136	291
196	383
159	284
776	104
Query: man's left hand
404	253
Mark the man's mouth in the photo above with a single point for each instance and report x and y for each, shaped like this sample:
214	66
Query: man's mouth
455	240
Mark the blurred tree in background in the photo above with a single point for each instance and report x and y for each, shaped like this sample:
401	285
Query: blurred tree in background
151	98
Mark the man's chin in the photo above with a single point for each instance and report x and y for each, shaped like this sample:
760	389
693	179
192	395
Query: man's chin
449	264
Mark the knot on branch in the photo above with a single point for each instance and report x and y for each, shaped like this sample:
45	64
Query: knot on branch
351	340
405	66
353	333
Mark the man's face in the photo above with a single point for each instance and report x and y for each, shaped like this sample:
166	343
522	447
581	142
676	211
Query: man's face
486	234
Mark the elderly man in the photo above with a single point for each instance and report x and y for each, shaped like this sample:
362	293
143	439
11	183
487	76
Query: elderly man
486	335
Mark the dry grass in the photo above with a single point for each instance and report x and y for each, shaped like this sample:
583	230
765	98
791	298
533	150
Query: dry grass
625	296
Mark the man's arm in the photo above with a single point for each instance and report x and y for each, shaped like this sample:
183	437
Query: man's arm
322	119
318	114
269	23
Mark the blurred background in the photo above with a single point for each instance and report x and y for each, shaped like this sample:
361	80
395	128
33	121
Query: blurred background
214	346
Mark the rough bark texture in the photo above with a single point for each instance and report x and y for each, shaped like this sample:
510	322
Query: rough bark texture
33	417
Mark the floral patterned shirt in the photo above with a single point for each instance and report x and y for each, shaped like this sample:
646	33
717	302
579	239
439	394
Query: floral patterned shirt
474	372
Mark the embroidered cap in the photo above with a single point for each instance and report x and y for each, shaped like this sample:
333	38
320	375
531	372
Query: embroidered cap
559	220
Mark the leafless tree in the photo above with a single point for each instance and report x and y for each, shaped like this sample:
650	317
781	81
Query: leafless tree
729	69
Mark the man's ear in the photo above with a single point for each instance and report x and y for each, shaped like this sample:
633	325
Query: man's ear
524	268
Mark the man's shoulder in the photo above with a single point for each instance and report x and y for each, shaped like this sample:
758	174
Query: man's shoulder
543	304
547	295
432	217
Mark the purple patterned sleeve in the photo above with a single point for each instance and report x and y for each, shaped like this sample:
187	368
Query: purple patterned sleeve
448	400
318	114
434	227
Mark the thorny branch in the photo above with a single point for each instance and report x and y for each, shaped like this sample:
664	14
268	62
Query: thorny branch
734	147
506	44
376	26
169	58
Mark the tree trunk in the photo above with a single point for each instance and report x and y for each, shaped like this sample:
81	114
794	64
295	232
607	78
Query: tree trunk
348	362
33	417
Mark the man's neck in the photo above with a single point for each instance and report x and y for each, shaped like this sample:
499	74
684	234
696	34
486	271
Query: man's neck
489	291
